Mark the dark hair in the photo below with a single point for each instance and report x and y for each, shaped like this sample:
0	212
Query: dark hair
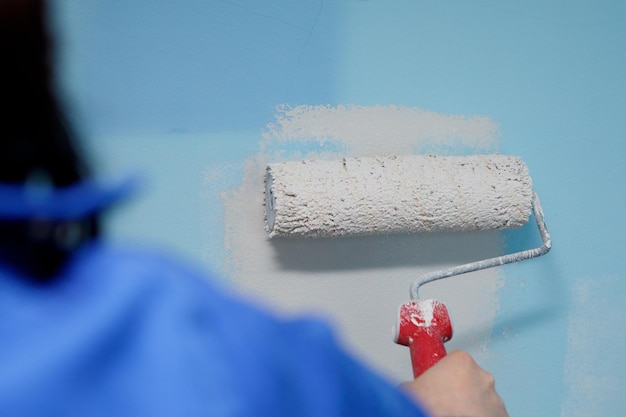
36	141
35	135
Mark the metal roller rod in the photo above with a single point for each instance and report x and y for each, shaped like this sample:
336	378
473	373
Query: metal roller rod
497	261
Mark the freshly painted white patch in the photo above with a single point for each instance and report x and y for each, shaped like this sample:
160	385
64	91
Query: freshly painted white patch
594	380
383	130
358	283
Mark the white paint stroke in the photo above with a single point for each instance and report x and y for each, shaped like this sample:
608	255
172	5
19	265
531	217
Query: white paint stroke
359	283
383	129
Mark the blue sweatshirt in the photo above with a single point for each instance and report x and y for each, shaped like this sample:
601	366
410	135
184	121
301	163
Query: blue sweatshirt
130	332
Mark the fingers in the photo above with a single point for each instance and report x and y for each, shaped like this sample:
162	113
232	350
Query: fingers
457	386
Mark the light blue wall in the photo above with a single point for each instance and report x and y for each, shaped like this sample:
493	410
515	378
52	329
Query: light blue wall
181	90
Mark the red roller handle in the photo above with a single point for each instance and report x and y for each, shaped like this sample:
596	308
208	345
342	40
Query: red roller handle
424	326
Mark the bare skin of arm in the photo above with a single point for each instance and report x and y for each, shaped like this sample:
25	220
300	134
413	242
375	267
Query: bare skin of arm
457	387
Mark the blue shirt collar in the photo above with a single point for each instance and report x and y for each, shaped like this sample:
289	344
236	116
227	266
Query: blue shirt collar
18	201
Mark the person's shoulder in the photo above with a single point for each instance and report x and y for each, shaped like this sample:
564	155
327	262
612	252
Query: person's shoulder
137	260
135	268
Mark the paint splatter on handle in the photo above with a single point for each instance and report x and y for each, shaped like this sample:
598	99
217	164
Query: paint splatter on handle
424	326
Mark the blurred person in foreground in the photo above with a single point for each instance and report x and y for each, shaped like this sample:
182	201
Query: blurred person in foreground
92	329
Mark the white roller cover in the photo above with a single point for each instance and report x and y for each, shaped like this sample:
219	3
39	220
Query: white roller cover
397	194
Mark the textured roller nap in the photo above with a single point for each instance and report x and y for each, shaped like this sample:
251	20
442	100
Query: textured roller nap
397	194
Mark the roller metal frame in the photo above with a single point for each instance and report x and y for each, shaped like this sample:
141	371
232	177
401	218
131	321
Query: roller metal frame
492	262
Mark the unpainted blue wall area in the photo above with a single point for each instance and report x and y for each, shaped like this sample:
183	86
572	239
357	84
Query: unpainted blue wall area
181	90
217	65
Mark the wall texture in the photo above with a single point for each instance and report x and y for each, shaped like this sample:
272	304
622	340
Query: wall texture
198	96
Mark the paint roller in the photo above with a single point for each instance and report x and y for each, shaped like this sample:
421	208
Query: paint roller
406	194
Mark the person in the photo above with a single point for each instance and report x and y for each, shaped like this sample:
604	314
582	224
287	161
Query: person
89	328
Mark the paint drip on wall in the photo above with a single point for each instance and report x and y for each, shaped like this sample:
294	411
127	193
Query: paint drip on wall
358	283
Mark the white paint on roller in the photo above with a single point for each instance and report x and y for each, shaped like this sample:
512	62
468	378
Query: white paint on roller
397	194
358	283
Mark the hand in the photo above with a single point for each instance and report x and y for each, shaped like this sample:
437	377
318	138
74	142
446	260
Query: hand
457	386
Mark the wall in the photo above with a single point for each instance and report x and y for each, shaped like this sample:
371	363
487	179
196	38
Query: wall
189	94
